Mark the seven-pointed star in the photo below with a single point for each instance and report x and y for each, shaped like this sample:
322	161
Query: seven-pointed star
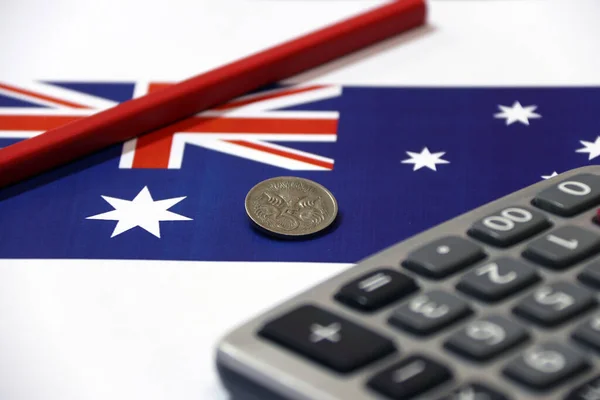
142	211
593	148
425	159
517	113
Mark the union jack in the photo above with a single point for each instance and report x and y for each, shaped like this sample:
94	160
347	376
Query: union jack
244	127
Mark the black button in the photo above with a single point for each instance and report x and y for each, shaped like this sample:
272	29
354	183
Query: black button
443	257
410	377
591	275
430	312
589	332
475	391
509	226
376	289
590	390
485	338
553	304
570	196
327	338
563	247
546	365
498	279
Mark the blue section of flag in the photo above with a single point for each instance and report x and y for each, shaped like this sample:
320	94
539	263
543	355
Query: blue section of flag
382	200
7	142
8	101
118	92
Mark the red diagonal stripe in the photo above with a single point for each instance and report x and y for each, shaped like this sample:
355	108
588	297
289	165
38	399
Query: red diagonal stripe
41	96
34	122
195	124
153	149
282	153
260	125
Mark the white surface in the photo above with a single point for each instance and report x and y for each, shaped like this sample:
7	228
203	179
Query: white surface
98	330
466	42
91	330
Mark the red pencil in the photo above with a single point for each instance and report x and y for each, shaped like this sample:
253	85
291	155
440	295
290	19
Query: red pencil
135	117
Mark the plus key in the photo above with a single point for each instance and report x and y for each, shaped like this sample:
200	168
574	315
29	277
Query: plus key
327	339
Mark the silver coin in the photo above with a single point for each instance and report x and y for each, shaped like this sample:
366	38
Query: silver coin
288	206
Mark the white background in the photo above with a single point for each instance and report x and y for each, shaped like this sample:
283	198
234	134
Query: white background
73	330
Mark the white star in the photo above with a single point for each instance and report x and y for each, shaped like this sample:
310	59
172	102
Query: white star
550	176
425	159
590	147
142	211
517	113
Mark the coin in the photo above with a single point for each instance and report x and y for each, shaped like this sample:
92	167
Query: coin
291	207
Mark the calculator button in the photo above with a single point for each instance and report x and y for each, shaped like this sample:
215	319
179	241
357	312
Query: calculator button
550	305
429	312
376	289
475	391
590	390
327	338
591	274
443	257
589	332
563	247
571	196
410	377
498	279
509	226
546	365
485	338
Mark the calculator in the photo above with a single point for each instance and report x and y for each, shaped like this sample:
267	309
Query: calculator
498	303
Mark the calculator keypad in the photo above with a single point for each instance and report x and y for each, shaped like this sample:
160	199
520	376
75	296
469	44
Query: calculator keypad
563	247
553	304
443	257
509	226
429	312
546	365
500	306
498	279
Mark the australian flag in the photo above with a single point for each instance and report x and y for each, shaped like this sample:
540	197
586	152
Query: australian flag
398	160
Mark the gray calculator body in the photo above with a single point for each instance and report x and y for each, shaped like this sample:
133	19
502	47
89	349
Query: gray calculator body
254	367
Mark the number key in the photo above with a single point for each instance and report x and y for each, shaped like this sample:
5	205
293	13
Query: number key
430	312
563	247
485	338
497	280
509	226
589	390
591	275
571	196
589	332
475	391
546	365
554	304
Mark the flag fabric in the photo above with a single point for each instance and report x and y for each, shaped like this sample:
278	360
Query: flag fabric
398	160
